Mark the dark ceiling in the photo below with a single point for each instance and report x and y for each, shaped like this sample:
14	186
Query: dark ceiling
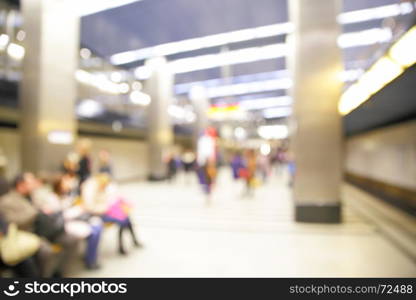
152	22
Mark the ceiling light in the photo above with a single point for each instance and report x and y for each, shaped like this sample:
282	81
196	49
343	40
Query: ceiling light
123	88
380	12
201	42
263	103
378	76
277	112
249	88
21	35
269	132
85	53
404	50
140	98
89	108
60	137
16	51
116	76
137	86
246	55
4	41
365	37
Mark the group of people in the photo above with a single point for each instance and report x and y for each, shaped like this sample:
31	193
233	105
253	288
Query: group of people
54	215
254	167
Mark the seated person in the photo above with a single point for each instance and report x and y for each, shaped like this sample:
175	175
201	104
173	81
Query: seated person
17	207
99	199
78	222
26	268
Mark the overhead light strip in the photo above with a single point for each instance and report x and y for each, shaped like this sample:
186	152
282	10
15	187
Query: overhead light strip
400	56
247	55
201	43
252	34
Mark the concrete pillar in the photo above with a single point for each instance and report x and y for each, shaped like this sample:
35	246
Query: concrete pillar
160	88
48	90
315	62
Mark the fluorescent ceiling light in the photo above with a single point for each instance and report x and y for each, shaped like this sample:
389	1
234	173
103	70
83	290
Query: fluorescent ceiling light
375	13
202	62
264	103
184	88
98	81
4	41
181	113
277	112
88	7
85	53
249	88
378	76
365	37
363	15
140	98
123	88
202	42
404	50
273	132
116	76
16	51
60	137
350	75
89	108
228	58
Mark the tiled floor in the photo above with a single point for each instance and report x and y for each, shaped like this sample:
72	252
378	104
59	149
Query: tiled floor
234	236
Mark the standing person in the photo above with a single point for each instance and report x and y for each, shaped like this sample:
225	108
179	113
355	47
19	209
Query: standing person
70	168
172	167
206	160
105	165
237	163
251	167
264	166
84	162
188	162
291	167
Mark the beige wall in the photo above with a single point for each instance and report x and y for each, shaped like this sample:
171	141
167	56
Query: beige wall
387	154
129	156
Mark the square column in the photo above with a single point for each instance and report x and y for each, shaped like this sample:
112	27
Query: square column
160	135
48	89
315	63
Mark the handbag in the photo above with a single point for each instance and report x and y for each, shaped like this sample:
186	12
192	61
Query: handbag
119	210
50	226
18	245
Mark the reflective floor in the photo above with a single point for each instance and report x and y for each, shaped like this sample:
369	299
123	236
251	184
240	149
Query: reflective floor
229	235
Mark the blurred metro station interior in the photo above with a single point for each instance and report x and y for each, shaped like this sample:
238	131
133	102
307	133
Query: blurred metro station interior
221	138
